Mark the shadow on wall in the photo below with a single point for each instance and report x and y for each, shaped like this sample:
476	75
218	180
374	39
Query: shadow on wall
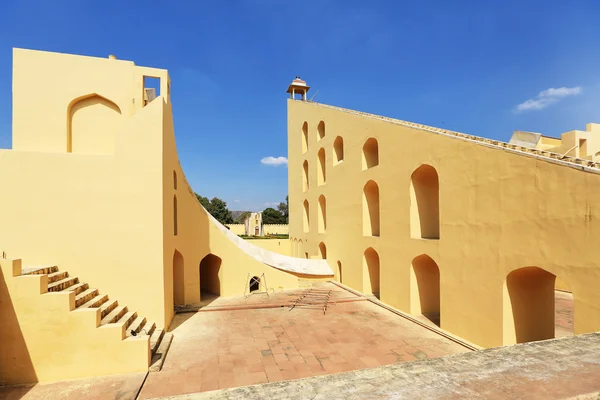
15	362
425	275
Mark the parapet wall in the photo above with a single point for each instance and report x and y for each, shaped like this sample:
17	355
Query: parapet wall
268	229
282	229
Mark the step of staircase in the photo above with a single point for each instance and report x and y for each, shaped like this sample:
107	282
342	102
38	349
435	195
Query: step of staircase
39	270
57	276
108	307
155	339
150	328
85	296
136	326
96	301
63	284
79	288
127	319
114	315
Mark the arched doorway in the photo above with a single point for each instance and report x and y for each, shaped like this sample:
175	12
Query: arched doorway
371	272
178	279
529	305
210	281
425	288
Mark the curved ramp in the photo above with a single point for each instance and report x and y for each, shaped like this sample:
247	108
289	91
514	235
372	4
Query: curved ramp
275	260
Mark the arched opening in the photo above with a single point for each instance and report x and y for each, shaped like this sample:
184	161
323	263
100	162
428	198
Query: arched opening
254	284
322	251
424	203
322	214
425	288
178	279
530	307
174	180
92	125
305	176
210	281
371	272
306	215
321	130
304	137
339	274
338	150
370	206
370	157
175	215
321	177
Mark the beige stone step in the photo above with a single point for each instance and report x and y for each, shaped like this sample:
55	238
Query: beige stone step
155	339
149	328
108	307
39	270
96	301
114	315
85	296
136	326
127	319
160	353
79	288
57	276
63	284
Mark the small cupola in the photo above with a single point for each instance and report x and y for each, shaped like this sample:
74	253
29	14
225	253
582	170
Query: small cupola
298	86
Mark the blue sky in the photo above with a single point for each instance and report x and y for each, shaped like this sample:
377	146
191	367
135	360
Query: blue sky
462	65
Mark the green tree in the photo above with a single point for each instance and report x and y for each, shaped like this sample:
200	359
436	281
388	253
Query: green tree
272	216
283	209
217	208
204	201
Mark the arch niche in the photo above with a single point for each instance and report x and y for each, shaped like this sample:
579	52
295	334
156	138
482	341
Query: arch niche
92	125
210	281
425	288
178	279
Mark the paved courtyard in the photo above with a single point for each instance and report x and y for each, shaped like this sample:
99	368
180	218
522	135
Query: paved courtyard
236	347
236	342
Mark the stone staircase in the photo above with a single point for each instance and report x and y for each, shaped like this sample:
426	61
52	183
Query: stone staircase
111	311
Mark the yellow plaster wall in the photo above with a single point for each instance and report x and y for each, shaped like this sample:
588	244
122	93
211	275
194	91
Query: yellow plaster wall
93	184
281	246
43	339
238	229
498	211
96	214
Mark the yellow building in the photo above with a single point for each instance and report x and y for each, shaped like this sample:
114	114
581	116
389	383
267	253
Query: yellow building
472	231
101	233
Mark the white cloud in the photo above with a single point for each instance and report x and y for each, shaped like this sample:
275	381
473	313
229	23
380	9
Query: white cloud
548	97
236	201
275	161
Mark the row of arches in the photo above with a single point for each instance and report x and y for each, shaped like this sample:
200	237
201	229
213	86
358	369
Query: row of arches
208	272
424	207
529	295
320	134
370	159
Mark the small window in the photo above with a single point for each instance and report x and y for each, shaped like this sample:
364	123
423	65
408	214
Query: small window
370	154
304	137
151	89
338	150
320	131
